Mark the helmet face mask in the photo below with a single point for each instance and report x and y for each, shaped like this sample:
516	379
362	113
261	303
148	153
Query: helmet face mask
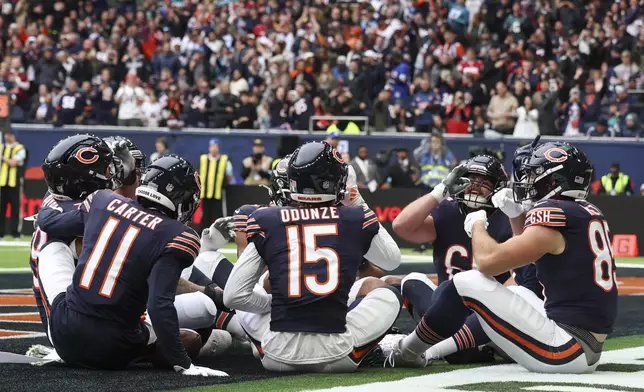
554	169
278	190
487	176
137	154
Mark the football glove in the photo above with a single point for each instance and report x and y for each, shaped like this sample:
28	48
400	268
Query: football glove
455	182
123	154
504	201
216	294
199	371
472	217
212	239
226	226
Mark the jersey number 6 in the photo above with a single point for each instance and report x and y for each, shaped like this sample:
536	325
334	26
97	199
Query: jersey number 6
303	239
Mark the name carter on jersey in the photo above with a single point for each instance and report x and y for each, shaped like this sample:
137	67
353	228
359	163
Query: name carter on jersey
143	218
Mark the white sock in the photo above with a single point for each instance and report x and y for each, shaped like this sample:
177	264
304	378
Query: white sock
235	329
442	349
412	345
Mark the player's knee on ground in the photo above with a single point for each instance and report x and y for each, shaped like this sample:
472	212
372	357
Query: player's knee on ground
391	280
195	310
370	284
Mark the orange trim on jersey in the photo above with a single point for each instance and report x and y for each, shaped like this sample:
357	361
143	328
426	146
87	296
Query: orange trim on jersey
546	224
253	227
190	235
368	213
551	209
370	222
189	242
184	248
518	339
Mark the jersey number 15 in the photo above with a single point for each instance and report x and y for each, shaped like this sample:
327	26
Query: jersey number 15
303	249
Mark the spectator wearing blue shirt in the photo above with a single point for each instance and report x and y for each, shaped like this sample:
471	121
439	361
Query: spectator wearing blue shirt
458	18
341	71
422	106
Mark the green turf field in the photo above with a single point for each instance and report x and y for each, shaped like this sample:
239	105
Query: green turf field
18	256
366	376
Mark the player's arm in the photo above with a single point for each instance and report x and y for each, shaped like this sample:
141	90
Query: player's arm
367	269
162	283
493	258
57	223
382	251
414	223
239	293
61	224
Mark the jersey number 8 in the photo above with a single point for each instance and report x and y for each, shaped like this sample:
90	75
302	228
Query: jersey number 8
302	248
601	247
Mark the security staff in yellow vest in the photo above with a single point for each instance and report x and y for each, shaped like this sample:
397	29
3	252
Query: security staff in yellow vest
11	174
256	167
216	173
616	183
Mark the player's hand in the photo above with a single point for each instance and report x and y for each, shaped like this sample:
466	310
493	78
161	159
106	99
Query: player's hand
473	217
123	154
199	371
212	239
504	200
455	182
352	197
226	226
216	294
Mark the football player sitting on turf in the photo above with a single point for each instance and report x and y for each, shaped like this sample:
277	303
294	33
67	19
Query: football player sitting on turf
313	249
438	219
74	168
567	239
133	254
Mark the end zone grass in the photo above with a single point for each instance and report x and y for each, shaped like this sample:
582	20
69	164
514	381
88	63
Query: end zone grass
18	256
371	375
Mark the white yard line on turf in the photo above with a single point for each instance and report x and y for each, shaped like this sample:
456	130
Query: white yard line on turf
500	374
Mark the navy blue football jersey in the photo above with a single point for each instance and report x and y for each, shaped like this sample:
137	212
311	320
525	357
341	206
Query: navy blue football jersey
240	216
121	242
580	285
452	246
40	238
312	256
526	276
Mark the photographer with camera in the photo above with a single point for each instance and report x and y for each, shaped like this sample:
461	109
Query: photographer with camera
256	167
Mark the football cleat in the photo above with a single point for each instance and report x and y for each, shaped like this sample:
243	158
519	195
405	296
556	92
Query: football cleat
218	343
398	358
39	351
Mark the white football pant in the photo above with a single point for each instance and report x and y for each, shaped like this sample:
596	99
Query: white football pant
310	352
519	328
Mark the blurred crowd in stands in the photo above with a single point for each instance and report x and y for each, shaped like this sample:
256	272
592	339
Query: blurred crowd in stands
486	67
